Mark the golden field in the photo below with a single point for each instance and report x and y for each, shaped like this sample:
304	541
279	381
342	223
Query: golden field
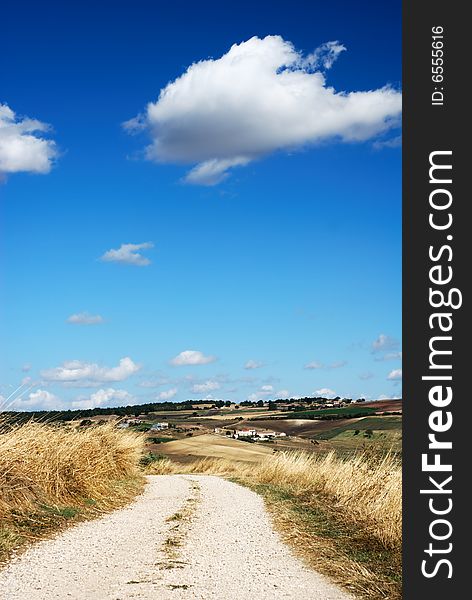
49	474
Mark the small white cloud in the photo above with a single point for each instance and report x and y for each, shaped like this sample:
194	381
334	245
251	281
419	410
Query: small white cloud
318	365
325	393
89	374
26	367
84	318
365	376
395	375
253	364
191	357
204	388
22	145
384	343
128	254
167	394
261	97
283	394
104	397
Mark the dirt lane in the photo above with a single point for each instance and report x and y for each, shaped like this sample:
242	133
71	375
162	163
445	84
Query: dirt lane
186	537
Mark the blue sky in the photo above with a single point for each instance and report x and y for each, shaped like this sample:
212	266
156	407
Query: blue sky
273	252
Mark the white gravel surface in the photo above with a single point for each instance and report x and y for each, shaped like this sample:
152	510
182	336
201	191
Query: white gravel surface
224	547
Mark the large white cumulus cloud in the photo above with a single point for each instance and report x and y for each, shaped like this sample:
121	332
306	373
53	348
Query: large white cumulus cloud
261	96
22	145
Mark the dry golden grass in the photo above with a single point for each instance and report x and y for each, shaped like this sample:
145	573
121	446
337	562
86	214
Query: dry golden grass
365	489
343	515
58	470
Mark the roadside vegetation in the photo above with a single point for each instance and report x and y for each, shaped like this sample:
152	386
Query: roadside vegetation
340	511
343	515
51	475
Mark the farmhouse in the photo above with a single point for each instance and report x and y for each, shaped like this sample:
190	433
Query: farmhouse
263	436
159	426
248	433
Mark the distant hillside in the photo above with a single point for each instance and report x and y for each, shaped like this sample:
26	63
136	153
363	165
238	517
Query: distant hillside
188	405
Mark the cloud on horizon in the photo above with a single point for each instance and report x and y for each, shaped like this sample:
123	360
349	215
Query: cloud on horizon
261	97
103	398
326	393
38	400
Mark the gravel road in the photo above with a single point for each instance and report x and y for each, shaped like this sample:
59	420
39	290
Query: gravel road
185	537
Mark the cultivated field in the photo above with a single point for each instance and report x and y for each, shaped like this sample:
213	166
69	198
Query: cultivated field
209	445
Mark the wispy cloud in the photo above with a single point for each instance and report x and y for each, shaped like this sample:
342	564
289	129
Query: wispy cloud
324	56
283	102
389	356
254	364
395	375
167	394
394	142
207	386
128	254
315	364
384	343
191	357
84	318
325	393
23	146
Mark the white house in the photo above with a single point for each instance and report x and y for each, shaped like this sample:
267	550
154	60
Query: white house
159	426
246	433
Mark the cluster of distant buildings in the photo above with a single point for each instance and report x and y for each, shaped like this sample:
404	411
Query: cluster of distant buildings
318	404
125	423
254	434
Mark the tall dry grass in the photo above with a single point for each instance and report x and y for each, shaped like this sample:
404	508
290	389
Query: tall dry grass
342	515
363	488
43	464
